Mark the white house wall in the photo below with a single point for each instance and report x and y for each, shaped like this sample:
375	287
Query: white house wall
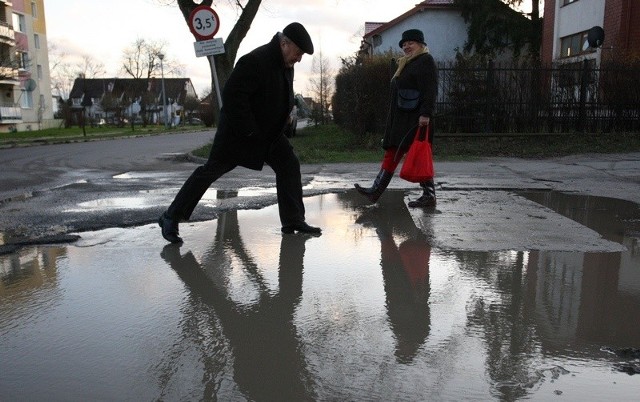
576	17
444	32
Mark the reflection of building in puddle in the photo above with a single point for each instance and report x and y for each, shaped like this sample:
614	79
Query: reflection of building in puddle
565	304
591	296
23	272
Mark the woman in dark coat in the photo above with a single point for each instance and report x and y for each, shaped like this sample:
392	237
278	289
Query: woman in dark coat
416	79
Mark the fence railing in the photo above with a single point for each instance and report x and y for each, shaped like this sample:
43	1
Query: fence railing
498	99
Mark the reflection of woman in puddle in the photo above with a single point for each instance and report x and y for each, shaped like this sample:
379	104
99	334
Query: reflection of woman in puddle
268	358
405	270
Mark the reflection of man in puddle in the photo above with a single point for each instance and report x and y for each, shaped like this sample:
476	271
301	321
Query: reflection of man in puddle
405	270
268	358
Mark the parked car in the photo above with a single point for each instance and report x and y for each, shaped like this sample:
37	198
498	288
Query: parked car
290	130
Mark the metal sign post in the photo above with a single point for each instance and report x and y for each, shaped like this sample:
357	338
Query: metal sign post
204	24
215	79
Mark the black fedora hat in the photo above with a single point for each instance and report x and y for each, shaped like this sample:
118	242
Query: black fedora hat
415	35
299	35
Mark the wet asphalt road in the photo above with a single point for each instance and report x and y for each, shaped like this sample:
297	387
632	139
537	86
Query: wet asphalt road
40	167
53	190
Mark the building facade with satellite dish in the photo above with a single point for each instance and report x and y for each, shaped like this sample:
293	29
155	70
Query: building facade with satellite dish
590	30
25	82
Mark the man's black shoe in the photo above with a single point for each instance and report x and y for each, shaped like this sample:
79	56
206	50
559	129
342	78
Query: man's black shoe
301	227
169	228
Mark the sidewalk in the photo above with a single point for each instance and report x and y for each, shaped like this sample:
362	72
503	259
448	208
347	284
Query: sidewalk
605	175
481	204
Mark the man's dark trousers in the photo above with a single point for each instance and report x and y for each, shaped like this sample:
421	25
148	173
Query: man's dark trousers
280	158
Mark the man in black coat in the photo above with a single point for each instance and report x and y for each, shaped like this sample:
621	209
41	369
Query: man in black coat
257	100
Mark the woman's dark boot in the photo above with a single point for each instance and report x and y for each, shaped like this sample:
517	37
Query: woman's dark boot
380	184
428	197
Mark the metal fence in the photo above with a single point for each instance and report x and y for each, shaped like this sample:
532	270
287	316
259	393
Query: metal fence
499	99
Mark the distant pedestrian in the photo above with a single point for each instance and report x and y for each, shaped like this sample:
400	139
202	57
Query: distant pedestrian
257	99
414	87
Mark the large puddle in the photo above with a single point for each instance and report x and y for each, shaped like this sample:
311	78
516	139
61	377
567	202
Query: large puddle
370	310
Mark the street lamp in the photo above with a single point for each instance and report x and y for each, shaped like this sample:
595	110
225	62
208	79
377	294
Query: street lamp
164	94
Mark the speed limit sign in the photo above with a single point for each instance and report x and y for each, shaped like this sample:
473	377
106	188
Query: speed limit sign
203	22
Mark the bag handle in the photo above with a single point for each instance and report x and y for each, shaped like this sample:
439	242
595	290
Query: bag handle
411	134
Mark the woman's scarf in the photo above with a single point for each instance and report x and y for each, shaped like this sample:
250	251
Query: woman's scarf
404	60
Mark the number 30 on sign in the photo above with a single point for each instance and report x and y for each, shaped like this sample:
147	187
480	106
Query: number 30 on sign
203	22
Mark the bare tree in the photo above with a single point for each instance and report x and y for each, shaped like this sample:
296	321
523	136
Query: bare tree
89	68
64	72
136	61
321	87
141	60
224	62
58	68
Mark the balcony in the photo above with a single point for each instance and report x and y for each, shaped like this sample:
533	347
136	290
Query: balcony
10	114
7	34
9	75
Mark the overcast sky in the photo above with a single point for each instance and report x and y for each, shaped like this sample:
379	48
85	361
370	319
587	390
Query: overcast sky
102	29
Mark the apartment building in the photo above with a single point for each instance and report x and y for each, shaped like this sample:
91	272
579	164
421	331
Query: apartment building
25	83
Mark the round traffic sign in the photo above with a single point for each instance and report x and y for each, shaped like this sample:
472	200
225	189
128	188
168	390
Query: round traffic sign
203	22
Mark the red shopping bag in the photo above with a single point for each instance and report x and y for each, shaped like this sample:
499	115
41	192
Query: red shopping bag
418	164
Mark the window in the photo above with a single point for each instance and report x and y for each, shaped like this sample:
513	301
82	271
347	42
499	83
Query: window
3	13
574	45
565	2
5	52
34	9
36	41
26	99
19	23
23	60
39	69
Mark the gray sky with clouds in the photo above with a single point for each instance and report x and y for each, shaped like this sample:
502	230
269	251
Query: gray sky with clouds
102	29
